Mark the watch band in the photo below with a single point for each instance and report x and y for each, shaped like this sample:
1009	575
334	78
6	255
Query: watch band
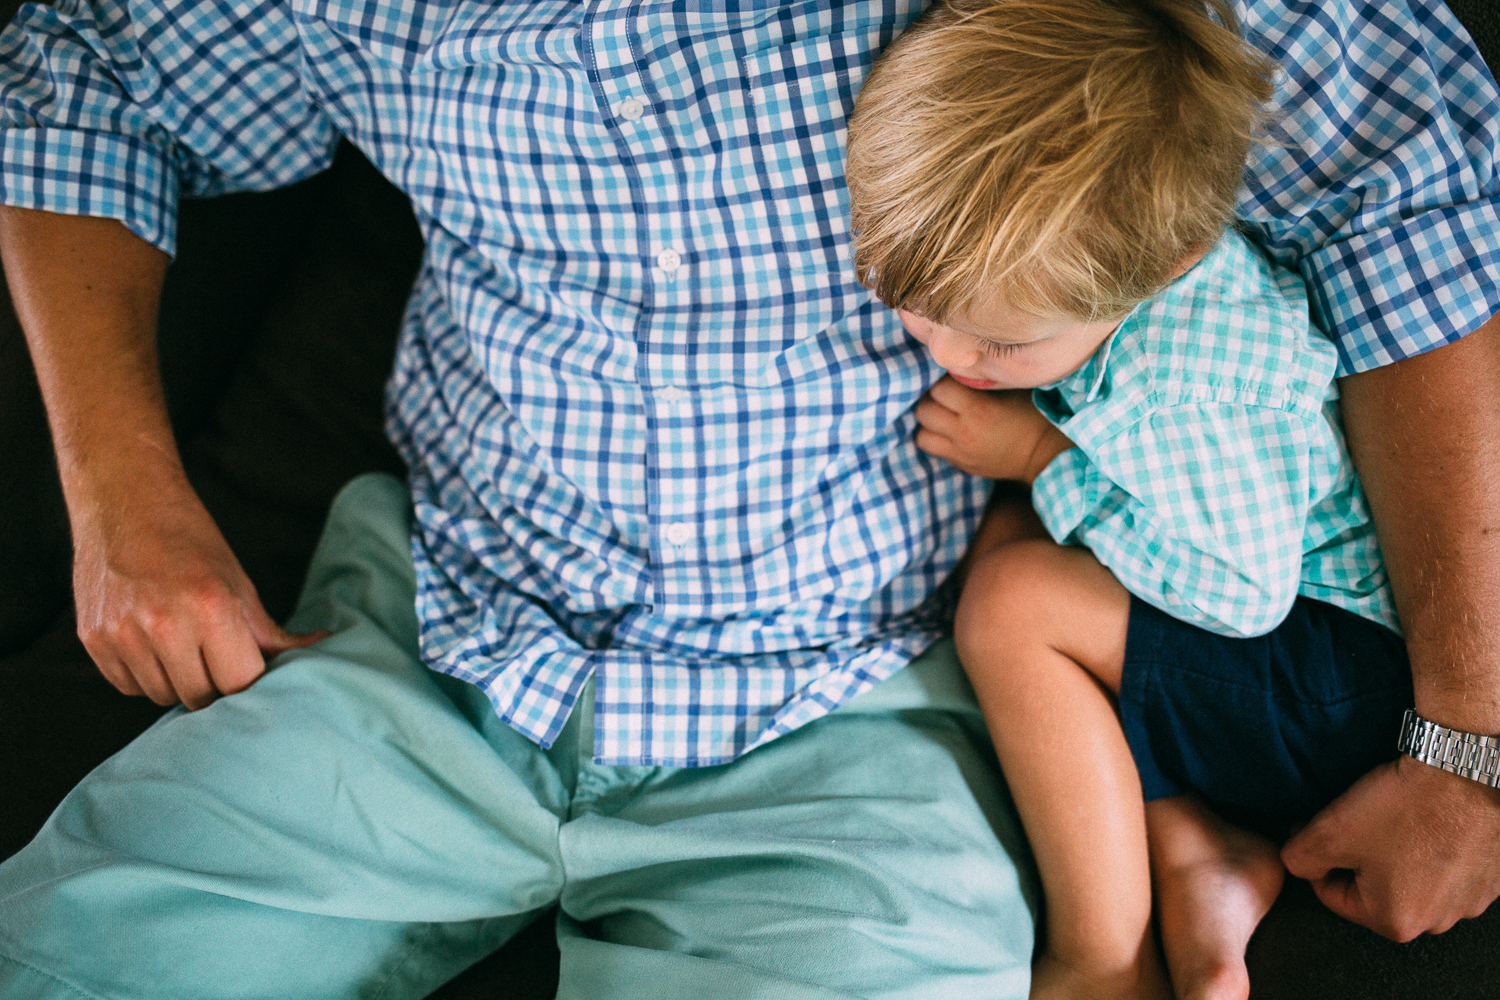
1465	754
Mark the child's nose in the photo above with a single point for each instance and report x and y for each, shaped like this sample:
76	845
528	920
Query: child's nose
951	349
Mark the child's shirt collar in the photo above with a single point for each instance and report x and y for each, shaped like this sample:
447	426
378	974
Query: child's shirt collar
1088	379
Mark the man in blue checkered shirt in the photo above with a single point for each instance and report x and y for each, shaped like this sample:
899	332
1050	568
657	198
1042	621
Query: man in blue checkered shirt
673	553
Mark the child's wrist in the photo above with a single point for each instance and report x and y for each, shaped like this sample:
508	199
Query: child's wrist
1051	443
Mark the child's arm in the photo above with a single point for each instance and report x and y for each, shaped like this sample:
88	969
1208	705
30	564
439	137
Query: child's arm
1199	509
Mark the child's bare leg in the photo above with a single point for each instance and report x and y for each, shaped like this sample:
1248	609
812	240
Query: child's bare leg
1010	517
1041	631
1214	882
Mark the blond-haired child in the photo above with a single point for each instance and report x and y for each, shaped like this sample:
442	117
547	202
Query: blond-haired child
1195	621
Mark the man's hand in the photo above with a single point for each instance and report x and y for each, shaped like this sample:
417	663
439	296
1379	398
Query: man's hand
1392	853
999	435
163	606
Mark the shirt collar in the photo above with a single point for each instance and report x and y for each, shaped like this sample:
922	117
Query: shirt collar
1088	380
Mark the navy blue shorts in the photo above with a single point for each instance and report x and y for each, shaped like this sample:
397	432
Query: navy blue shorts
1271	728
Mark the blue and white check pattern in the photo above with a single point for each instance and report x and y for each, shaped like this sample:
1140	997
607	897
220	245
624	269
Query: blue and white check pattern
1380	188
1210	473
657	432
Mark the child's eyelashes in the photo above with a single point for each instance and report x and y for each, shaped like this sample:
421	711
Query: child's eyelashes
999	349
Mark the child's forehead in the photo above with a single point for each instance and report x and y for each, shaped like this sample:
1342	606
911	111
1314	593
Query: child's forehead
992	318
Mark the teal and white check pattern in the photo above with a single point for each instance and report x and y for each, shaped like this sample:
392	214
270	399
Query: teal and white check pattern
657	432
1210	473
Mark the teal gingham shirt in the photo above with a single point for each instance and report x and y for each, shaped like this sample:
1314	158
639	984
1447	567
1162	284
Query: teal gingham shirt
1210	473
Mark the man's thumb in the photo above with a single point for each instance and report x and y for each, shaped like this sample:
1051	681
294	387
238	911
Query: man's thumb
273	639
1309	853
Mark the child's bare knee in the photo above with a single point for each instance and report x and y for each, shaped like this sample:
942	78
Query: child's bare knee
1008	586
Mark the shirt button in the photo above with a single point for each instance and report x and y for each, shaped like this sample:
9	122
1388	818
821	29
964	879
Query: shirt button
672	394
679	533
632	109
669	260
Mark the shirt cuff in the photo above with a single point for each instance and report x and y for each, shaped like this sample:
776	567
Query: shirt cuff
1401	291
101	174
1066	491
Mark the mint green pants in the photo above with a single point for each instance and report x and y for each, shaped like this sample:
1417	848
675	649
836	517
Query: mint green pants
354	825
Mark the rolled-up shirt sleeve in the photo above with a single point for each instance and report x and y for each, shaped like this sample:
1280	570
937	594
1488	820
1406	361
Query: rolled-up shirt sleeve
116	109
1378	180
1198	509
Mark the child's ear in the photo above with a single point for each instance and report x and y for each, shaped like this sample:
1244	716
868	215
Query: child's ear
1193	256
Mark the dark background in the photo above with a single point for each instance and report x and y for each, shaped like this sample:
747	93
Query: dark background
278	326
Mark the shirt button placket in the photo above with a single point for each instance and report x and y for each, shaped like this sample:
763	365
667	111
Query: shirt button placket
631	109
670	262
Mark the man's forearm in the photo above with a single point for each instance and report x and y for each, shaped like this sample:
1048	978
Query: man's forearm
86	292
1425	437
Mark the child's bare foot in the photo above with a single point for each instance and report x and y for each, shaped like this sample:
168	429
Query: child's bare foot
1053	979
1213	883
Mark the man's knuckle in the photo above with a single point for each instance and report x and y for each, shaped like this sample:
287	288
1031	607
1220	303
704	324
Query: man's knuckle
159	623
215	603
116	632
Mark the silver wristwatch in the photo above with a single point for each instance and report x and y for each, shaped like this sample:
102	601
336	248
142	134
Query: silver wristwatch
1464	754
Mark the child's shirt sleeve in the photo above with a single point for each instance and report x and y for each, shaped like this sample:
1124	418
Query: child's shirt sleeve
1198	508
114	108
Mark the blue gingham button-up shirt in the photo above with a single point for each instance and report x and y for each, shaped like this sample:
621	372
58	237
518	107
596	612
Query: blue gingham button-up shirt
658	434
1210	472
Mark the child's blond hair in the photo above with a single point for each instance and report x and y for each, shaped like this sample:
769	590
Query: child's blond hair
1064	155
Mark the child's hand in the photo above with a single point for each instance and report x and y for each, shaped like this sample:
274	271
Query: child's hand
1000	435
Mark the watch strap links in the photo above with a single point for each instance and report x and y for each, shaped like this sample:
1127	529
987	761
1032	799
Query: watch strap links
1465	754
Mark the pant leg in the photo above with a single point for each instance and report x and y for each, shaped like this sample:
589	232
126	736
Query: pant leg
340	829
874	853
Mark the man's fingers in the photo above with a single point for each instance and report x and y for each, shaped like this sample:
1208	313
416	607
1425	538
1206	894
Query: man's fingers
237	650
233	656
115	672
176	651
171	640
126	661
132	649
1342	892
152	678
1339	891
189	675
